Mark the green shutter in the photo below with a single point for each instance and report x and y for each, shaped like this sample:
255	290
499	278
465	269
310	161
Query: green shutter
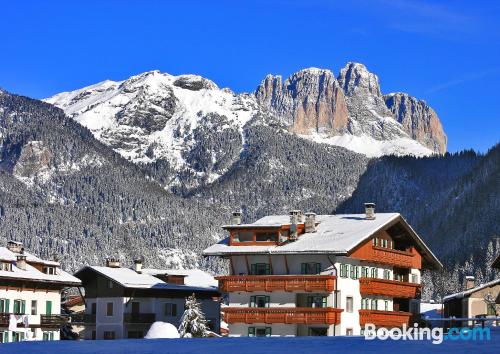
303	268
251	331
268	331
48	307
23	307
318	268
268	268
7	305
268	301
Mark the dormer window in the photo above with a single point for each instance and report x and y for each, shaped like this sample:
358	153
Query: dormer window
6	266
49	270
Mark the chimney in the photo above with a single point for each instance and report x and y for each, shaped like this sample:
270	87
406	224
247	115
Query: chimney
294	219
370	211
14	246
113	263
236	218
310	223
138	265
469	282
21	262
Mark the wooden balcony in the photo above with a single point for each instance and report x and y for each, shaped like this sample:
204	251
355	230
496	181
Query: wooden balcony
387	319
404	259
286	315
139	318
53	321
269	283
392	288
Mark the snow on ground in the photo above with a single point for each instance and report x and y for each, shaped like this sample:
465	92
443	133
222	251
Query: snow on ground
162	330
300	345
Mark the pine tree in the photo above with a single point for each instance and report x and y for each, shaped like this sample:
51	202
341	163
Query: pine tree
193	322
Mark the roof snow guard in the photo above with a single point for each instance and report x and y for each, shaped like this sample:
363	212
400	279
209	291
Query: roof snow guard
335	234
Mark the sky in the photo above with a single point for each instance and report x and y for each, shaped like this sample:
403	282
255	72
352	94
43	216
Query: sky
444	52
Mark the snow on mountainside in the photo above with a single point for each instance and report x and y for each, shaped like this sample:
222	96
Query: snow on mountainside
199	129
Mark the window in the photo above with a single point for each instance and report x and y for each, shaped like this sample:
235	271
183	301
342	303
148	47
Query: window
48	335
34	305
364	272
93	308
243	236
384	243
344	270
135	334
136	307
260	301
6	266
348	332
414	278
94	335
374	304
170	309
318	331
4	337
260	269
348	304
17	336
354	272
386	305
259	331
317	301
109	335
387	274
266	236
398	277
375	241
4	305
365	304
109	309
110	284
19	307
490	309
310	268
374	273
48	307
49	270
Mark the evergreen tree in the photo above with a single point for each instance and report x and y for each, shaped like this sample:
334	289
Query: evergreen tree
193	322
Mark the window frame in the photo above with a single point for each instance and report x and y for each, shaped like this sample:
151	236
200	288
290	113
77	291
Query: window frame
112	309
349	300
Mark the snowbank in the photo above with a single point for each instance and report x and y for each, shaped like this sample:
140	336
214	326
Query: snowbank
162	330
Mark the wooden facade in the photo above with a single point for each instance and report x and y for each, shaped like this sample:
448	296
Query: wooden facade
387	319
270	283
285	315
391	288
405	259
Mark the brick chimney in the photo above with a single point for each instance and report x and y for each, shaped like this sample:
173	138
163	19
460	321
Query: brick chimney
310	223
14	246
138	265
470	282
370	211
21	262
113	262
236	218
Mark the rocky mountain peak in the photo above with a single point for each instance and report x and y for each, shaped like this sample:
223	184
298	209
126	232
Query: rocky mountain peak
355	79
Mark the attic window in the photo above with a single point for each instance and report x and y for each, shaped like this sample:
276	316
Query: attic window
6	266
49	270
266	236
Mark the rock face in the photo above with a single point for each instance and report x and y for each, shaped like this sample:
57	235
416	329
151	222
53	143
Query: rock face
309	100
418	119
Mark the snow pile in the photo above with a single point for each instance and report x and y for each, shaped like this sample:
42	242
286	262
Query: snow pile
162	330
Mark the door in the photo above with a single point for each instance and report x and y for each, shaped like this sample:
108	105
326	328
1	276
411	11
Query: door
48	307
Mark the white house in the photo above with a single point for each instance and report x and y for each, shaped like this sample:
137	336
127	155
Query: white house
123	302
30	295
299	275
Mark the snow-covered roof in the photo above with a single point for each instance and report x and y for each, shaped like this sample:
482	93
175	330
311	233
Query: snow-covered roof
335	234
129	278
466	293
32	273
193	277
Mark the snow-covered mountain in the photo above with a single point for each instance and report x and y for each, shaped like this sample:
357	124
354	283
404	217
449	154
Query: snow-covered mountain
198	129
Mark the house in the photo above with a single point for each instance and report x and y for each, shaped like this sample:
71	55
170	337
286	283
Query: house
475	301
123	302
30	295
307	274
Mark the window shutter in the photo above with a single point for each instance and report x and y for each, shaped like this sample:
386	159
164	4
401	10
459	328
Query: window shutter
253	269
268	331
302	268
251	331
268	301
318	268
268	268
7	305
252	301
23	307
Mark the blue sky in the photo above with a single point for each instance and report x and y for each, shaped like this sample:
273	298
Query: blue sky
445	52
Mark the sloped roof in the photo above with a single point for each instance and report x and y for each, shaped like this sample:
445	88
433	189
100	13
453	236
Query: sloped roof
31	273
466	293
335	234
129	278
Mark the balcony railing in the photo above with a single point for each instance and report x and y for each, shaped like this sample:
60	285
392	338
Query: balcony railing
269	283
84	318
384	318
53	321
139	318
286	315
392	288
